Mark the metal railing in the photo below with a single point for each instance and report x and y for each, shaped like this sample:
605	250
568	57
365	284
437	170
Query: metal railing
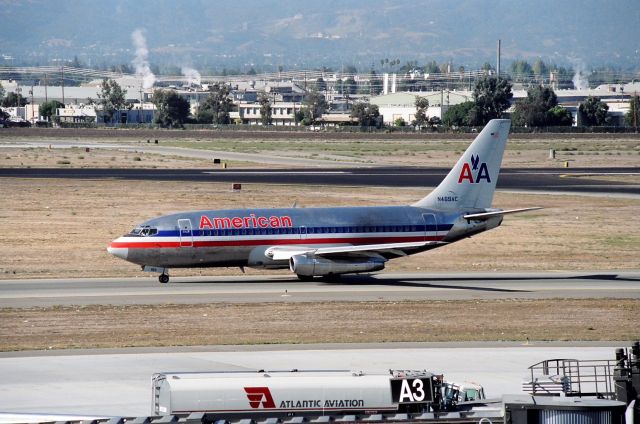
571	377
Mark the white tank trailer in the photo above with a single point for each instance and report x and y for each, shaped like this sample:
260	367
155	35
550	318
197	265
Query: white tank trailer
295	393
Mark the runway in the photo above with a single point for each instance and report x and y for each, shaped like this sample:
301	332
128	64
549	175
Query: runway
576	180
286	288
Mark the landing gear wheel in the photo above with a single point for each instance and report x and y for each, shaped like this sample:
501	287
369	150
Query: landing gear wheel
163	278
305	277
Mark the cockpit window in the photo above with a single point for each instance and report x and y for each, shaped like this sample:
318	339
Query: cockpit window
145	231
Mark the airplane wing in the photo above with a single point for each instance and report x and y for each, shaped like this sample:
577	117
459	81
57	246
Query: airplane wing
281	253
486	215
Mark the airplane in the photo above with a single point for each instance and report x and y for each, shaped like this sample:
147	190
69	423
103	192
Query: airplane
331	241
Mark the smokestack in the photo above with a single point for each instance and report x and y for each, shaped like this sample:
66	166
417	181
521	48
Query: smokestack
498	60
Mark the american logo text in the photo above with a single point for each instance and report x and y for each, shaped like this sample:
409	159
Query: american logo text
250	221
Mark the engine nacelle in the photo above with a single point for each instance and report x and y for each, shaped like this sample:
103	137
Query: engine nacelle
317	266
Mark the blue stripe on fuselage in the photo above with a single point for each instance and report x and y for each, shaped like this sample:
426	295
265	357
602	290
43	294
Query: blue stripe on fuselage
364	229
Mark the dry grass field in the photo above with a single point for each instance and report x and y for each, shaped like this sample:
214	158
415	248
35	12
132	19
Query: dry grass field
61	228
319	322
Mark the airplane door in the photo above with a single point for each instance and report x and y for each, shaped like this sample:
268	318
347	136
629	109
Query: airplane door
430	226
186	233
303	232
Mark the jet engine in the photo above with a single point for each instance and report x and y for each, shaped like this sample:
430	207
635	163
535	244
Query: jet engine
310	266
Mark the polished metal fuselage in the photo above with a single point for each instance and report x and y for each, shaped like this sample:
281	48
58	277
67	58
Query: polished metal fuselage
240	237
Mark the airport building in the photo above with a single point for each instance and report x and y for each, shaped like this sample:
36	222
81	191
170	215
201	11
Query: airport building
286	98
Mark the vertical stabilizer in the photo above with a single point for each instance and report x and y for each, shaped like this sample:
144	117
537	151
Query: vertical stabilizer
472	181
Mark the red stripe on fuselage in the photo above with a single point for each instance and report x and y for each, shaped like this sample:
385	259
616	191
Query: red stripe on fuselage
262	242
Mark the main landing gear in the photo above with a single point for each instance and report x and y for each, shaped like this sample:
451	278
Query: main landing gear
163	278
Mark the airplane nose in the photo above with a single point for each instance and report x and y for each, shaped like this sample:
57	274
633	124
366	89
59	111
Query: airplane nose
120	252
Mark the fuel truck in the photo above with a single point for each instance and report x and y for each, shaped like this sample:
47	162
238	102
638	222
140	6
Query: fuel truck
240	394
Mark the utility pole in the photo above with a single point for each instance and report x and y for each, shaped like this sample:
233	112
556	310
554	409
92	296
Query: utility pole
32	105
62	70
635	110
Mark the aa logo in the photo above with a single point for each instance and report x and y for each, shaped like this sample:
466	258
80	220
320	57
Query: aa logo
474	172
259	396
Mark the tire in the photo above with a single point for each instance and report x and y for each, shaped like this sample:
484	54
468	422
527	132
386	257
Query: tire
163	278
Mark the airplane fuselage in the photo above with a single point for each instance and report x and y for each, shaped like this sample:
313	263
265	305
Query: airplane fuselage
240	237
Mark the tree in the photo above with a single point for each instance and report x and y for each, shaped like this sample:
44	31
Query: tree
173	110
349	86
520	70
350	70
540	68
533	111
431	67
541	108
314	106
422	104
14	100
458	115
632	118
321	84
265	109
1	92
491	97
367	115
217	106
560	117
49	109
111	99
486	66
434	121
76	63
399	122
592	111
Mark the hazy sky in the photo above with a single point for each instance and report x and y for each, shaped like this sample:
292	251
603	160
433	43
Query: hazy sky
305	33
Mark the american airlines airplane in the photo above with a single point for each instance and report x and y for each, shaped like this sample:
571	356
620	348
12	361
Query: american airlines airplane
328	242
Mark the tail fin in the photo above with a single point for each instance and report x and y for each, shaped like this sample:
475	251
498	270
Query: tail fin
472	181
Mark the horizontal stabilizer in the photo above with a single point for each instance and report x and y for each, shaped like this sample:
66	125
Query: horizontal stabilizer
278	253
486	215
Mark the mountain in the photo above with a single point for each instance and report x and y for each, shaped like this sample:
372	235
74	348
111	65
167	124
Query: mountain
304	34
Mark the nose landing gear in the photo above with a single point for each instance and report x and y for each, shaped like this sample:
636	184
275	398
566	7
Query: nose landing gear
164	272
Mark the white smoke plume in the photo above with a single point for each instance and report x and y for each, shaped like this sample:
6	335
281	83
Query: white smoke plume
193	76
140	61
580	79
